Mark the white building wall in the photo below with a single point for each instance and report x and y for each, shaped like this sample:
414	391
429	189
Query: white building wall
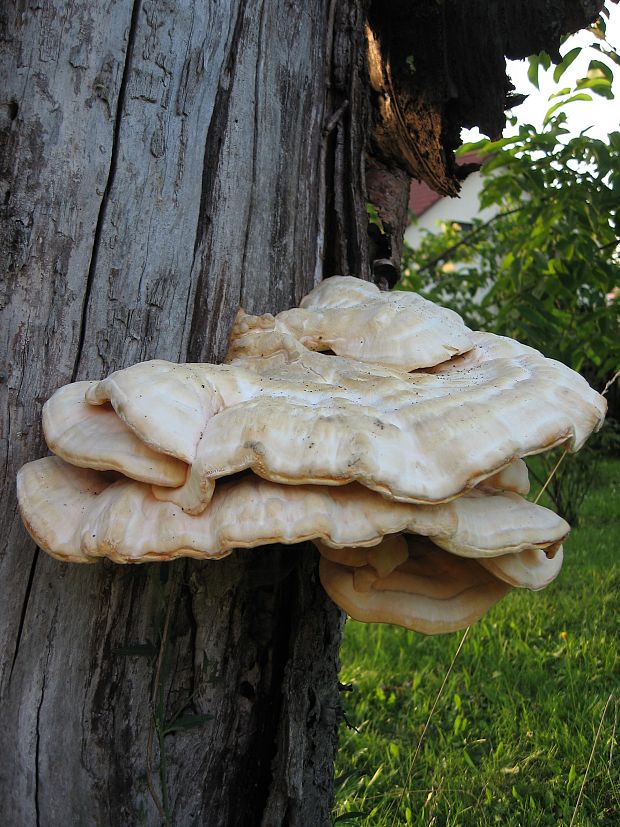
462	209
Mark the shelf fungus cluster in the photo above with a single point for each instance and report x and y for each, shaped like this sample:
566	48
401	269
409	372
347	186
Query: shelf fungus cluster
376	425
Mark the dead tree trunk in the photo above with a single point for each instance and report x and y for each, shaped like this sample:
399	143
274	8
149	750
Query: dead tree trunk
160	164
164	163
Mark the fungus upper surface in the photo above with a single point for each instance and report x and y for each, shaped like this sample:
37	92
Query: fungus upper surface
531	569
97	438
79	514
354	318
299	417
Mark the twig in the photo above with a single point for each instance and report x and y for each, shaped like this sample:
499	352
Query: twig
430	715
609	244
585	777
427	265
610	383
348	722
551	475
331	123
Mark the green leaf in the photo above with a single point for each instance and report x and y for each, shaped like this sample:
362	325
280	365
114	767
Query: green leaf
373	217
341	780
580	96
353	815
572	775
610	54
471	146
535	62
600	86
532	70
568	58
469	761
599	69
599	27
560	93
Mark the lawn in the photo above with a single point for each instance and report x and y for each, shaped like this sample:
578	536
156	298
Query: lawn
515	726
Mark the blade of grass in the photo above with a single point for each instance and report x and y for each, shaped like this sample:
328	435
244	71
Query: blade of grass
551	475
613	736
585	777
430	715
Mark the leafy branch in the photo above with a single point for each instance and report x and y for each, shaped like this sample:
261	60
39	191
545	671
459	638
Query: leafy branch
544	267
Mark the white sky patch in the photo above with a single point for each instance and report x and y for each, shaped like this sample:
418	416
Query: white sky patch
600	115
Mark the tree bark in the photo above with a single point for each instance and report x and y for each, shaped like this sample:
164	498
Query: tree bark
161	163
165	162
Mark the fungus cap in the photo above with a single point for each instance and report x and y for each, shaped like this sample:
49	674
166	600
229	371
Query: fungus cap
298	417
432	592
354	318
513	477
97	438
383	558
80	514
532	569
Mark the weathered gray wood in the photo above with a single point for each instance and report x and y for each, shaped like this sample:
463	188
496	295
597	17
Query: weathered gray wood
47	231
161	166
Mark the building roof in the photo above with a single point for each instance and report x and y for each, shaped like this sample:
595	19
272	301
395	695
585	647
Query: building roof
422	197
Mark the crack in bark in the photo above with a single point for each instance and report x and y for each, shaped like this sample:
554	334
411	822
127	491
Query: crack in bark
36	755
22	616
120	105
327	129
210	169
259	58
278	701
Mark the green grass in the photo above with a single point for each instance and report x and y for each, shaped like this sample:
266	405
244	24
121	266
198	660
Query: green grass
510	739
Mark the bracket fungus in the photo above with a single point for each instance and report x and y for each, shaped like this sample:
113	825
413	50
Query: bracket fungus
415	583
354	318
398	452
299	417
80	514
432	591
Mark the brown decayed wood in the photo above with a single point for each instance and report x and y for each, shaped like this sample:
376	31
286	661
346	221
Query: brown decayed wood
443	68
